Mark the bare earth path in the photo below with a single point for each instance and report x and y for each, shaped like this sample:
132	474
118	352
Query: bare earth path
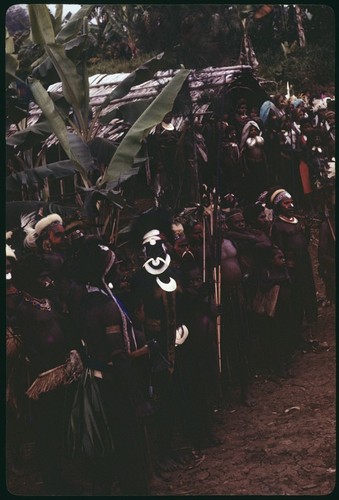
285	445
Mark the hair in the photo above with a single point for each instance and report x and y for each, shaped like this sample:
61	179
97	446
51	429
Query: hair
234	211
92	260
155	218
251	212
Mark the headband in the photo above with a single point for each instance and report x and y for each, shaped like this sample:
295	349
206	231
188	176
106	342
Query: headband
278	195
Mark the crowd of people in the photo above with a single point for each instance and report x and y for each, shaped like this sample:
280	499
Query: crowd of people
112	356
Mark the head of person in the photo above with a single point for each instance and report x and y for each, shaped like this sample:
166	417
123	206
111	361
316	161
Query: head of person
195	232
181	247
231	133
94	263
48	234
235	220
31	275
255	216
281	202
253	131
277	258
152	231
192	279
242	107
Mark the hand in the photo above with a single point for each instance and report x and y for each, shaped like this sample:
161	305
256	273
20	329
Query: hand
153	347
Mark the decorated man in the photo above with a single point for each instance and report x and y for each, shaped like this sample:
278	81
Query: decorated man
155	291
289	235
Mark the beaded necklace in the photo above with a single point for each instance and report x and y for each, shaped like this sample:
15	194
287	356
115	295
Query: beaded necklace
42	304
290	220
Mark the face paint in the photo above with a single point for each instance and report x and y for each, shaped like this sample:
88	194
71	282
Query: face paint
157	260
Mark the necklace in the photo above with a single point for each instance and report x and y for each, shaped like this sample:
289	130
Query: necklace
290	220
42	304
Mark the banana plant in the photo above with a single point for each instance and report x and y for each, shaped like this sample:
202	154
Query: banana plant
76	95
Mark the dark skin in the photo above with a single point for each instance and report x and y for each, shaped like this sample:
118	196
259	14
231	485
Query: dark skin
231	275
111	348
250	241
288	234
198	361
42	330
47	343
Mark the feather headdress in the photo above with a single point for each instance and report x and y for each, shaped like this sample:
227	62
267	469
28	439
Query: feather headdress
9	250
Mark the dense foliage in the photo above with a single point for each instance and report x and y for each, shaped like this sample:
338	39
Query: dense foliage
202	35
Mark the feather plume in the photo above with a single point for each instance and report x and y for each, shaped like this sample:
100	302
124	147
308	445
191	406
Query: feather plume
10	252
64	374
27	222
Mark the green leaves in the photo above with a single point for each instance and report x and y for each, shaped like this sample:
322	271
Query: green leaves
130	145
57	124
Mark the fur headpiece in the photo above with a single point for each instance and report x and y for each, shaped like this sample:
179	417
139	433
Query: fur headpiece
34	229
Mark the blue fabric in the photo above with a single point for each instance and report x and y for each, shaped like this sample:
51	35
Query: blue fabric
296	102
265	109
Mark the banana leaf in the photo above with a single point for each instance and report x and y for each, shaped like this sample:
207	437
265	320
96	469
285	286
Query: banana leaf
142	74
29	177
42	31
44	69
11	65
92	196
130	145
25	139
72	27
72	84
129	112
14	210
88	434
58	126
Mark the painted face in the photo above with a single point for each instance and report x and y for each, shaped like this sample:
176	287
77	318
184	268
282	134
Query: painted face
157	259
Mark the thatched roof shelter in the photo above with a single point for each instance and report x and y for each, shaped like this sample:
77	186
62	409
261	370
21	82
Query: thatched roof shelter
209	88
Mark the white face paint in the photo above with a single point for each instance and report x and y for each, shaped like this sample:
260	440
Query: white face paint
157	259
157	265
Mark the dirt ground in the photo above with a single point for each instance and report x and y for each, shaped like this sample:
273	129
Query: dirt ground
285	445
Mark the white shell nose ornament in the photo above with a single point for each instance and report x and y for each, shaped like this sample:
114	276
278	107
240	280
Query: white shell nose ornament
181	335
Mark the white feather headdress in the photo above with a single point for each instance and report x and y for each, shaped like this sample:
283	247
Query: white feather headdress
27	222
9	250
